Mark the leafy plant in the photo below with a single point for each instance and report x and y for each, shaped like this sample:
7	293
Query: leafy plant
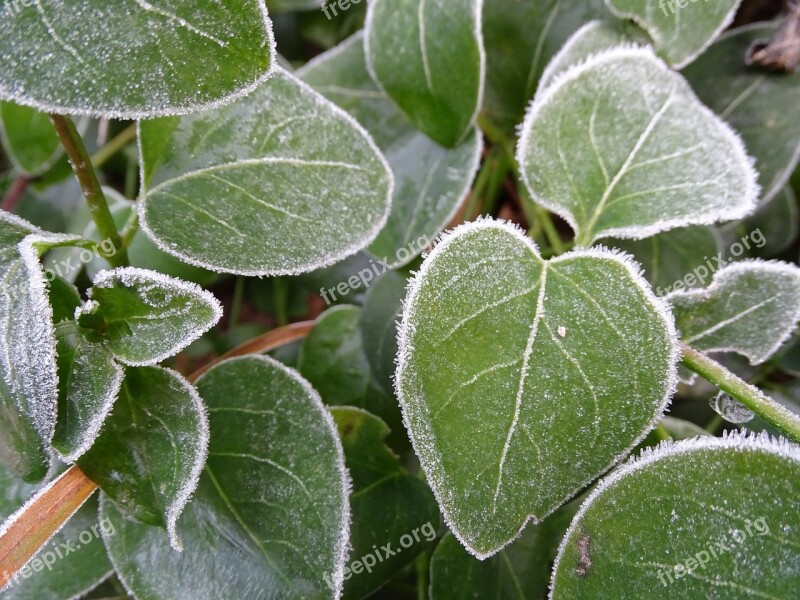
502	300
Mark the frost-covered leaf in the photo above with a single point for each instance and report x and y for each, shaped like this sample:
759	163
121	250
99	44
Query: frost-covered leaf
383	308
429	57
89	380
66	568
29	139
270	517
28	381
145	317
669	257
334	361
620	146
522	380
662	527
278	183
387	503
151	448
681	29
760	105
133	59
751	308
592	38
520	38
430	181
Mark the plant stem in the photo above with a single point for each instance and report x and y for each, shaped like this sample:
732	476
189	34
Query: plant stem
14	193
474	204
41	519
422	576
236	303
87	177
122	139
752	397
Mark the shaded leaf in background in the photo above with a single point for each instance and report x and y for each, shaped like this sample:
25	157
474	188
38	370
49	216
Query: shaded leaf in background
775	226
145	317
751	308
429	57
668	257
151	448
762	106
72	573
135	59
430	181
334	361
680	29
270	517
616	158
29	139
89	380
278	183
622	544
521	37
506	360
387	503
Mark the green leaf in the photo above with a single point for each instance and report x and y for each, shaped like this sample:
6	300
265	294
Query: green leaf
520	39
29	139
278	183
383	308
592	38
506	359
334	361
133	60
669	257
88	383
761	106
775	227
429	57
151	448
751	308
733	543
64	298
681	29
28	381
430	181
387	504
270	517
66	567
615	158
145	317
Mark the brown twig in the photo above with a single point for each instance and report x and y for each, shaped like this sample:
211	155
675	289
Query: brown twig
14	193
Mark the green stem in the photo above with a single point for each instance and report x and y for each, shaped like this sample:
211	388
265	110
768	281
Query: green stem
87	177
422	576
752	397
122	139
281	291
474	204
236	304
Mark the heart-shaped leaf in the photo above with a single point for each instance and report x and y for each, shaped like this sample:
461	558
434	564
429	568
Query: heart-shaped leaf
71	563
151	448
733	543
390	506
278	183
437	78
145	317
522	380
681	29
430	181
270	518
89	380
28	380
761	106
751	307
135	59
618	158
